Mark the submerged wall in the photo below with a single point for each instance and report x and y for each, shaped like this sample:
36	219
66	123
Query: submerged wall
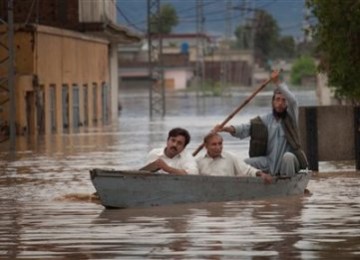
62	80
330	133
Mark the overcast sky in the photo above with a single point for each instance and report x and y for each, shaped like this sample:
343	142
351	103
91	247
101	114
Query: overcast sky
288	13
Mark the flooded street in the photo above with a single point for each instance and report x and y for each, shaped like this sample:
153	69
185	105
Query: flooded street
48	211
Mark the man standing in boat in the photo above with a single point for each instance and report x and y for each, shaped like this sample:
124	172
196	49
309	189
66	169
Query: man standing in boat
274	144
173	159
218	162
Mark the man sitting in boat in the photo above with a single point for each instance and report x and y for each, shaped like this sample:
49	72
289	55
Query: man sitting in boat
173	159
218	162
274	144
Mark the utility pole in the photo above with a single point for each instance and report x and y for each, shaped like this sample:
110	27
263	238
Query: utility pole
306	26
156	68
254	28
244	34
7	75
226	62
11	83
200	66
249	25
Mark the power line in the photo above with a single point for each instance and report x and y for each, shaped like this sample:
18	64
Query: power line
190	18
267	4
181	18
126	18
30	12
192	8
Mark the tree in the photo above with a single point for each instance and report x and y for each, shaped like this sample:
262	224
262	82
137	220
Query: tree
266	35
338	36
284	48
261	34
307	48
302	67
243	37
165	21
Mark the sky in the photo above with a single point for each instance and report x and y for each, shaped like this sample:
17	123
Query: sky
289	15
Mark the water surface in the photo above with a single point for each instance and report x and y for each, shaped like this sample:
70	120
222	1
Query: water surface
48	211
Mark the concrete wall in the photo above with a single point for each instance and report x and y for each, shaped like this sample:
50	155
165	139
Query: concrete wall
231	55
61	13
179	77
330	133
96	11
70	58
240	72
48	57
126	72
323	92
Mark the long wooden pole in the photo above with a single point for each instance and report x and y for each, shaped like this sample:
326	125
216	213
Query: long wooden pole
263	85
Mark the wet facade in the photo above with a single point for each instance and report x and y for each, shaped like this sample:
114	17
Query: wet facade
66	65
62	80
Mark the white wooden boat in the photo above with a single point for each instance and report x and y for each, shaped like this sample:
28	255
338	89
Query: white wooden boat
127	189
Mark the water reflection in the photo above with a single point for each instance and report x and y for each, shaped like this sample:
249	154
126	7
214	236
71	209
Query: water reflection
154	230
284	217
48	211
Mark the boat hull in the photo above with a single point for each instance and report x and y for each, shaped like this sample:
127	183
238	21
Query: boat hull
127	189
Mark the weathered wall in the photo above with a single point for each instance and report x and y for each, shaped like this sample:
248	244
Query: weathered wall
64	57
56	13
240	72
100	10
323	92
68	57
177	78
61	13
330	133
58	57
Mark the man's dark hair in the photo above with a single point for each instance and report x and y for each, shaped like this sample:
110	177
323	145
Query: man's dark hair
180	131
209	136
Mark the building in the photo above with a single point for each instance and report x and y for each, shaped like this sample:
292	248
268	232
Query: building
180	55
66	64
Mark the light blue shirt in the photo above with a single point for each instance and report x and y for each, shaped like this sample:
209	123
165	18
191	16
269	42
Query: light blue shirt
277	144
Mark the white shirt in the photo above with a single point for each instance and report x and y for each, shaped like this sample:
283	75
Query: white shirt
183	160
225	165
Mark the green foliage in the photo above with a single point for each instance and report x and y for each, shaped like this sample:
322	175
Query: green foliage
263	34
209	88
307	48
165	21
302	67
213	88
284	48
338	43
266	35
243	37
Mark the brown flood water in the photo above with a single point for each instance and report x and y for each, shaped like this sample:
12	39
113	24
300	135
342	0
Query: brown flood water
48	211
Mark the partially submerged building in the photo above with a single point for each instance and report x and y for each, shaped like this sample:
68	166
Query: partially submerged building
181	53
65	62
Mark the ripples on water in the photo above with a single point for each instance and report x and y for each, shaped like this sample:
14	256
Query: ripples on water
48	211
